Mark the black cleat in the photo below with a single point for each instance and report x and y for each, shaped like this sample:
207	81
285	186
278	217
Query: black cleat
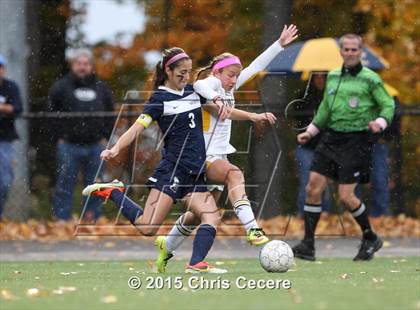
368	249
304	251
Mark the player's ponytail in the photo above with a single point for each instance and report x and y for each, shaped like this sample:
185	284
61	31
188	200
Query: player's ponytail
210	66
171	58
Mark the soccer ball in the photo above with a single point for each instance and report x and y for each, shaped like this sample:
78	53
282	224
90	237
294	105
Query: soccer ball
276	256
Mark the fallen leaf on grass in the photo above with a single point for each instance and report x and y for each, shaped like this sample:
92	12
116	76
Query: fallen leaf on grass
67	288
296	299
35	292
345	276
109	299
7	295
68	273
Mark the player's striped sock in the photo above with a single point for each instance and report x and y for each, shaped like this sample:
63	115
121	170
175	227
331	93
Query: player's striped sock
178	234
128	208
242	208
311	214
202	243
361	217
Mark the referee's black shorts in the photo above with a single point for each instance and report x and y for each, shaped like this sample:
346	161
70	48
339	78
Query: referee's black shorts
344	157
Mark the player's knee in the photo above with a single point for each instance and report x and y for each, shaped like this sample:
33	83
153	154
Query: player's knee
189	218
313	190
346	198
235	175
148	231
213	219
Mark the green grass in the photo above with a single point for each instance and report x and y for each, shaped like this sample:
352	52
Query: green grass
384	283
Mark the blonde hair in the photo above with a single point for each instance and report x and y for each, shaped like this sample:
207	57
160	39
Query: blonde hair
211	64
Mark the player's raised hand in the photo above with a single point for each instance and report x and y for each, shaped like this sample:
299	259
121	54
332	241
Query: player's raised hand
288	35
108	154
304	137
268	117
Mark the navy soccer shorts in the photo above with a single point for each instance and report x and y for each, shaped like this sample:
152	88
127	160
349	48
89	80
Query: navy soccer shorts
176	181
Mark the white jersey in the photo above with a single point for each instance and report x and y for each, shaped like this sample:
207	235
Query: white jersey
217	132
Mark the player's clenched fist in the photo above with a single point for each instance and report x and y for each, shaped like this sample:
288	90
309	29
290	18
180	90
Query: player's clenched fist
108	154
304	137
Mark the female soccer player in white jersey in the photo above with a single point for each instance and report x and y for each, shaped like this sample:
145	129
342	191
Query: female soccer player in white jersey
226	77
180	174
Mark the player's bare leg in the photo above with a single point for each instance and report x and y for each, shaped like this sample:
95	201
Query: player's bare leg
223	172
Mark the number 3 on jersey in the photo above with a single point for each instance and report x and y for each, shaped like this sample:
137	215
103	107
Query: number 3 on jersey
191	117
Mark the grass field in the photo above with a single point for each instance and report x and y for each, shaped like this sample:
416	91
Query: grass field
384	283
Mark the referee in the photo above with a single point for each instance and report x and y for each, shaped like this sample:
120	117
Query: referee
355	106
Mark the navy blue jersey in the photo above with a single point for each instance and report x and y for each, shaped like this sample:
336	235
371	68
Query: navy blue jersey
178	114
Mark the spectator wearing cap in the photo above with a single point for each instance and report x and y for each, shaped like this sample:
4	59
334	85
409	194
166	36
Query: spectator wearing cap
80	140
10	107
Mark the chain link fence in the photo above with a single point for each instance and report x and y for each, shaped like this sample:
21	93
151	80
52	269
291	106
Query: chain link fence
137	163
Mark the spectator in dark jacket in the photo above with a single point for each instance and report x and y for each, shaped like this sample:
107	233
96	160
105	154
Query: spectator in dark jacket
304	153
80	139
10	106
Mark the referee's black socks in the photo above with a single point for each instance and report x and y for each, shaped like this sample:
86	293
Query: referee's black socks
311	214
361	217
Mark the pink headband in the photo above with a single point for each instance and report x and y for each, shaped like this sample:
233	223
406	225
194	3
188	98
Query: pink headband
226	62
176	58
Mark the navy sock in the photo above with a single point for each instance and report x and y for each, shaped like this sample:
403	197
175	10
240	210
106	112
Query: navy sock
128	208
202	243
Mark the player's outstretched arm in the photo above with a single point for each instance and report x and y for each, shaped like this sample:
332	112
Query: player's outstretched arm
125	140
241	115
288	35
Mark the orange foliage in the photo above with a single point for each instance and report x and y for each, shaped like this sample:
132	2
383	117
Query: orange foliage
393	30
293	227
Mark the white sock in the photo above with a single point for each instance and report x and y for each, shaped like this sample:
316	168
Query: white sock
178	234
242	208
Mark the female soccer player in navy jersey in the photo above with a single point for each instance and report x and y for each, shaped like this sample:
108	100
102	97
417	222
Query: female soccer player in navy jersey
180	174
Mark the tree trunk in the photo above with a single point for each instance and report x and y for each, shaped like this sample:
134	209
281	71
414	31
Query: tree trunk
267	157
14	48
